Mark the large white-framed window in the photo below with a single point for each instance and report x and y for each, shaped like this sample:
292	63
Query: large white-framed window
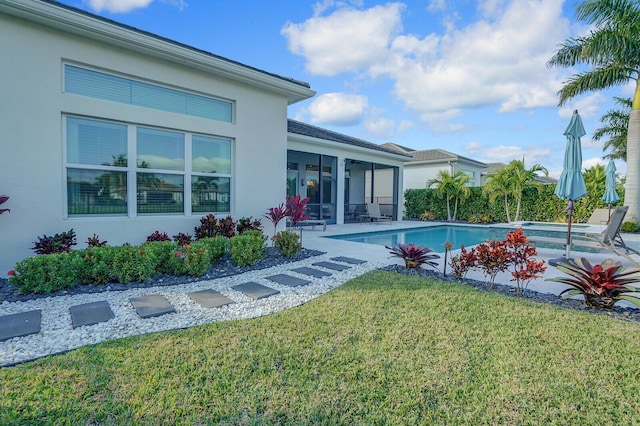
111	87
101	176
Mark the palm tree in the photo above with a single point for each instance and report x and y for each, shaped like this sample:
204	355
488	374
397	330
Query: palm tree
616	125
611	50
452	187
512	180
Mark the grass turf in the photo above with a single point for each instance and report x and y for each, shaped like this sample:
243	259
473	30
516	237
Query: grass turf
382	349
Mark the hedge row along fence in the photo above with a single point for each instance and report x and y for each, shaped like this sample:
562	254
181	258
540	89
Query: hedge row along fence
541	205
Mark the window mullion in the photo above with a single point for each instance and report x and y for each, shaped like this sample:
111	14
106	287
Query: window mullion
132	190
188	169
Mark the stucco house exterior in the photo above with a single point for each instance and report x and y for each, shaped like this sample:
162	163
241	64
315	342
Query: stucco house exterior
110	130
426	164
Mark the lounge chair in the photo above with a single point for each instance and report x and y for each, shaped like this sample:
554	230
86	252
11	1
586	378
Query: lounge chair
599	217
609	239
373	213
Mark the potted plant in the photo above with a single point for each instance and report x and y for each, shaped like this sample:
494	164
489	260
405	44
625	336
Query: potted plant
602	285
414	255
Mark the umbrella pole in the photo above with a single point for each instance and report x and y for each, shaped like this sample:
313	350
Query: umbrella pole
609	214
568	248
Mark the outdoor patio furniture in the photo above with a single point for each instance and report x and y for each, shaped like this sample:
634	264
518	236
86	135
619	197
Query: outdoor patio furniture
313	222
599	217
373	214
609	239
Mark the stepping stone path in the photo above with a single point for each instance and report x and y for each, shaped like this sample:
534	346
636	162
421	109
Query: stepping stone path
152	305
332	266
288	280
350	260
18	325
210	298
254	290
26	323
317	273
90	313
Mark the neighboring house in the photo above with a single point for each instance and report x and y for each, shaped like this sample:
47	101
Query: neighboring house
493	167
426	164
111	130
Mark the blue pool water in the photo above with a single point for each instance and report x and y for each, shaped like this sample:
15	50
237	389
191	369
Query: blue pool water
433	237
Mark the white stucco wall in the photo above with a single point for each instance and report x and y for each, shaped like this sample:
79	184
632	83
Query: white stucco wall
417	175
32	107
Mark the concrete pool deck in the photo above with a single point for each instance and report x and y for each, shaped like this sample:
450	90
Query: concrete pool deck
317	240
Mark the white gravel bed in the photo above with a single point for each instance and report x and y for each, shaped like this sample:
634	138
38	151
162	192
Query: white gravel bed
57	334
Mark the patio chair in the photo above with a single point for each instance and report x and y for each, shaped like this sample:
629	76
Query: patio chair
609	239
373	213
599	217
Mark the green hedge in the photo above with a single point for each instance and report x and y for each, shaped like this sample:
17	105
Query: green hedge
541	205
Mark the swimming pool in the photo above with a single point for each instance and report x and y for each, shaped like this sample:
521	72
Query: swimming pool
433	237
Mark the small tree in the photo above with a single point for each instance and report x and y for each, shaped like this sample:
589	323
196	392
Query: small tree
452	187
296	210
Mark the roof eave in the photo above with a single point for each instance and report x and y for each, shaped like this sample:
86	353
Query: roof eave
347	147
86	25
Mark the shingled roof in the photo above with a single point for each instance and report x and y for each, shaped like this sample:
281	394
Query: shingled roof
304	129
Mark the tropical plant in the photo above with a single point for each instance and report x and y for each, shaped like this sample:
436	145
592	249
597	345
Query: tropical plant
616	126
452	187
611	50
226	227
296	210
491	258
3	199
182	239
59	243
595	180
287	243
511	181
94	241
208	227
248	224
275	215
629	226
427	215
414	255
462	263
602	285
158	236
524	267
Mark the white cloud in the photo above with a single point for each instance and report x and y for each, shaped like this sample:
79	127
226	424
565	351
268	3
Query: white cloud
348	40
506	153
500	59
338	109
380	127
587	106
124	6
590	162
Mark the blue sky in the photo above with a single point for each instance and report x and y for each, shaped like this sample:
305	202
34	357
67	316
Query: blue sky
467	76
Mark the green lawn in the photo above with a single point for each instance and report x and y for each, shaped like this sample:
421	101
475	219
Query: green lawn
382	349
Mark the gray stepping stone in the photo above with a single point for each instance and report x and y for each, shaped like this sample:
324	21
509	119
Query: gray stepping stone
210	298
317	273
254	290
90	313
288	280
350	260
18	325
331	265
152	305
